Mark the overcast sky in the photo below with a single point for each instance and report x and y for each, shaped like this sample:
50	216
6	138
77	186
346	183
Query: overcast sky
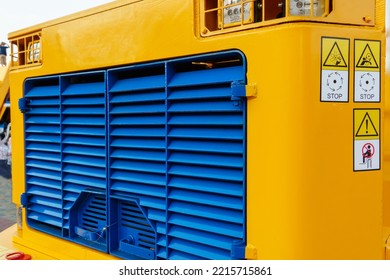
18	14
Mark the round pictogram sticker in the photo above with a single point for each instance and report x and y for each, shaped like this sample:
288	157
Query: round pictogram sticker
335	81
367	82
368	151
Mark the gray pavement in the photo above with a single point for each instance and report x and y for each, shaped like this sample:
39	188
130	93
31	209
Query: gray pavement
7	208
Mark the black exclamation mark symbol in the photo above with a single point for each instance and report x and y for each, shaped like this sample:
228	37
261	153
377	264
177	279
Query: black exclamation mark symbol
366	126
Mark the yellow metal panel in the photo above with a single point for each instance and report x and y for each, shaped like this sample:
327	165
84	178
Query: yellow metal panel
18	174
355	12
386	241
386	148
312	203
304	200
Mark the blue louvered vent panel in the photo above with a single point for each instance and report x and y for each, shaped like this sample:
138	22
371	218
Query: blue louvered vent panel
177	145
83	146
137	139
65	134
206	164
156	173
43	155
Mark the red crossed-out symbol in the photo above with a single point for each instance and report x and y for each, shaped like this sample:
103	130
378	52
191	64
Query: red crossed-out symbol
368	150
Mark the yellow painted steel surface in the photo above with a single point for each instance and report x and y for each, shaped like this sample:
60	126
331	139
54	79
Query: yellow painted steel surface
304	199
386	171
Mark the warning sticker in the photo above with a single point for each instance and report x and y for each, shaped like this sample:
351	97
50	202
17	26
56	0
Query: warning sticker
366	135
367	127
335	53
367	84
335	58
367	55
334	69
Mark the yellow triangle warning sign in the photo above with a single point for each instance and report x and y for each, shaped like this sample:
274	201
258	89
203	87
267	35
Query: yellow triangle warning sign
366	127
367	59
335	57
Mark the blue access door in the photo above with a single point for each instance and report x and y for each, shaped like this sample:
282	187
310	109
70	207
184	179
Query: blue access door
66	156
145	161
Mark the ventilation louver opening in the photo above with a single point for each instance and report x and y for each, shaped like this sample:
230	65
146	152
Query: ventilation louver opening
135	236
88	220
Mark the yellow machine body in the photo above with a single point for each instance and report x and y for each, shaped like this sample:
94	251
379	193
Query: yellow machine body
308	196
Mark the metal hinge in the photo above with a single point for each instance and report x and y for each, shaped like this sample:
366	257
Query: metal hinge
24	105
238	250
242	251
24	198
241	90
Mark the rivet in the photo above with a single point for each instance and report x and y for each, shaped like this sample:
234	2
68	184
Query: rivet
366	19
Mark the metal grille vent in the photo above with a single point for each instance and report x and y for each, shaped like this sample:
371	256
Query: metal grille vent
143	162
43	155
177	145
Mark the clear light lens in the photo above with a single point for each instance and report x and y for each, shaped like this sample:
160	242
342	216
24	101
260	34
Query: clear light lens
304	7
237	11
